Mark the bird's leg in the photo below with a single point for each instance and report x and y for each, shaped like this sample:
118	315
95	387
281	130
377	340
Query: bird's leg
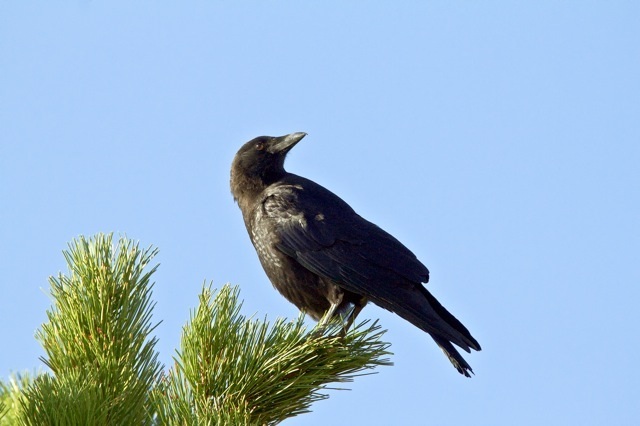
351	318
328	316
357	308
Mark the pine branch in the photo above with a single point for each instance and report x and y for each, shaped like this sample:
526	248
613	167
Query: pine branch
98	339
229	369
234	370
11	395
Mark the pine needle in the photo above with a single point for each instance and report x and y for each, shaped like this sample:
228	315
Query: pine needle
230	368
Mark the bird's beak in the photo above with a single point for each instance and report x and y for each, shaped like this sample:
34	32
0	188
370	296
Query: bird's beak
283	144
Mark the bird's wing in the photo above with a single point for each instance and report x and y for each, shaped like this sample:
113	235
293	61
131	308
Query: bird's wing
326	236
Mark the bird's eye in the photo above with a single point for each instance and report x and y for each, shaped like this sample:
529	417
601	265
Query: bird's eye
260	146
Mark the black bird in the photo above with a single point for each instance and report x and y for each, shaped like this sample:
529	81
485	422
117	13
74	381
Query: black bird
322	256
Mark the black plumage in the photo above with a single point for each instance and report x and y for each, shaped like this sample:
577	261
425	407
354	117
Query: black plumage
321	255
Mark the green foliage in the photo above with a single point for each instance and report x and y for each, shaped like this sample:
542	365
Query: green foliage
233	370
11	396
229	369
97	339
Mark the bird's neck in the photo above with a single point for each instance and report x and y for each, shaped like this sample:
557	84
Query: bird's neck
246	190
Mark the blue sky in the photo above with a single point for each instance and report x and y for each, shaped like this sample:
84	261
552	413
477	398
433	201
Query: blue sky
499	141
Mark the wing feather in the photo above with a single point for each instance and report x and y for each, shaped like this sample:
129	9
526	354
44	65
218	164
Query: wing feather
327	237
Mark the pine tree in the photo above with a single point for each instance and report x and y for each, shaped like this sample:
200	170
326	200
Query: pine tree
229	369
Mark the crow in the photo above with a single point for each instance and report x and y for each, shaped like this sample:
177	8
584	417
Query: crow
325	258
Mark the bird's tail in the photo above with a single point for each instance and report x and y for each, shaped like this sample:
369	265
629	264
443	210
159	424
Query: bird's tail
454	331
453	322
454	356
424	311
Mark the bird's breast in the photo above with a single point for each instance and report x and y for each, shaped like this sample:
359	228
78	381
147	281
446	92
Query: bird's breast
264	246
265	238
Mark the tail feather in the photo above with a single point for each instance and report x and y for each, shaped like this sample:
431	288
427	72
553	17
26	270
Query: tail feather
454	356
445	343
424	311
451	320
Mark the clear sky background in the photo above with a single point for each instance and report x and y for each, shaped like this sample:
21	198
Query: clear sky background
500	141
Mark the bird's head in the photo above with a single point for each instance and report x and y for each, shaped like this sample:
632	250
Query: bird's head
260	162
